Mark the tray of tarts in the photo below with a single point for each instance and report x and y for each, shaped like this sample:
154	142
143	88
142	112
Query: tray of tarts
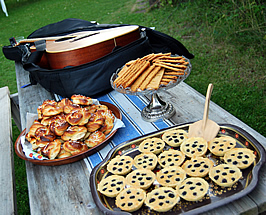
68	130
167	171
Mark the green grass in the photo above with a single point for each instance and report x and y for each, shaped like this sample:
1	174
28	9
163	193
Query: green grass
226	37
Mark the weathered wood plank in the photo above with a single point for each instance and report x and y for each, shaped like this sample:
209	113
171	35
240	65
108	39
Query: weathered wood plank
15	110
52	190
64	190
7	177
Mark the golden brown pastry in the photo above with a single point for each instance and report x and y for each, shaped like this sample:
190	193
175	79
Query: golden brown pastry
218	146
52	149
146	160
91	108
42	141
120	165
74	133
51	109
63	153
68	120
86	136
192	189
58	127
74	147
47	120
41	107
95	122
194	146
81	100
240	157
44	134
171	176
79	116
95	139
154	145
162	199
64	102
109	119
101	107
198	166
140	178
225	175
31	134
175	137
112	185
68	108
171	157
130	199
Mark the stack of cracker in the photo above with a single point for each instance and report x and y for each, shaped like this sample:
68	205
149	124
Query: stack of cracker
151	72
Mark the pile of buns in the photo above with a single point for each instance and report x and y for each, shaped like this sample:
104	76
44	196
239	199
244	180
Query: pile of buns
151	72
69	127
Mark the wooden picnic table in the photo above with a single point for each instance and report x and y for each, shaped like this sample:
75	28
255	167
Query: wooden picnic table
65	189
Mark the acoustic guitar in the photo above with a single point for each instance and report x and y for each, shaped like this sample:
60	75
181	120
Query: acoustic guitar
83	47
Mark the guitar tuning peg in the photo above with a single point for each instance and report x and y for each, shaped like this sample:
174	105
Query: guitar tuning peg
12	41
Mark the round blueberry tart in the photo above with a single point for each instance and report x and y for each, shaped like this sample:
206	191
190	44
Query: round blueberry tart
218	146
146	160
171	157
120	165
241	157
194	146
112	185
140	178
193	189
154	145
162	199
225	175
170	176
175	137
198	166
130	199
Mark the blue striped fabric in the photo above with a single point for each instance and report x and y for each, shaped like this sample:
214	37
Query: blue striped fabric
130	107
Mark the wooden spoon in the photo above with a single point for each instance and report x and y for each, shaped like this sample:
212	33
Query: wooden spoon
205	128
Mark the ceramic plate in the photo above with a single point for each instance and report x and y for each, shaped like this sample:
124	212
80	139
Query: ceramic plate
74	158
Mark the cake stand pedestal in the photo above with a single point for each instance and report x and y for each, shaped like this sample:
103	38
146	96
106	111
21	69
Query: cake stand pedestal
157	109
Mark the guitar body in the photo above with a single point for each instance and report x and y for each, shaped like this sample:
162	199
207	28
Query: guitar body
88	47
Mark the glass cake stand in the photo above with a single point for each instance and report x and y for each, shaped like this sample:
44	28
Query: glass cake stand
157	108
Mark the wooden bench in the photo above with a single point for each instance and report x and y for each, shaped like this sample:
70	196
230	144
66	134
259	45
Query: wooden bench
7	174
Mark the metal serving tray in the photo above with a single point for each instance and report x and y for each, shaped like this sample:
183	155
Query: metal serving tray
216	196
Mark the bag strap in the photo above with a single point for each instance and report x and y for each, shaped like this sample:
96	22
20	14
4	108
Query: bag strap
162	42
19	53
61	27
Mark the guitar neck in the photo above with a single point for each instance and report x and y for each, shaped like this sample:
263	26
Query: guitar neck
65	37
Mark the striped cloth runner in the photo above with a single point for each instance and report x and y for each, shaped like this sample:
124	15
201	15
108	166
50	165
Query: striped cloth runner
130	107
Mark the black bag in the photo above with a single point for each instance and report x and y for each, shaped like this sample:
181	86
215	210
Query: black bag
93	78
